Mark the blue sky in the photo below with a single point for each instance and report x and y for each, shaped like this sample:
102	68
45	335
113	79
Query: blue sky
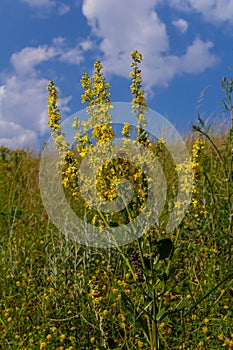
187	46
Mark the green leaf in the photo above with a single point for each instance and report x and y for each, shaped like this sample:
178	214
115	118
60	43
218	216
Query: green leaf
161	314
182	304
165	248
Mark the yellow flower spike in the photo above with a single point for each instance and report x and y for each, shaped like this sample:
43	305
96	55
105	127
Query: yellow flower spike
139	105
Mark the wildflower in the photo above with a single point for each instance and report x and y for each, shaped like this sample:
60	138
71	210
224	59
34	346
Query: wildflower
51	290
205	329
139	105
227	342
43	345
125	130
62	337
122	317
94	293
105	312
140	344
53	329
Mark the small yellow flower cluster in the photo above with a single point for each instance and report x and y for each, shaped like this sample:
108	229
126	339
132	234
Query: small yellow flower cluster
96	89
103	133
67	156
53	111
125	130
197	150
139	105
84	145
107	185
198	147
186	177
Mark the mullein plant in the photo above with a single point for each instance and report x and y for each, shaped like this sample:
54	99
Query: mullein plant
149	261
97	96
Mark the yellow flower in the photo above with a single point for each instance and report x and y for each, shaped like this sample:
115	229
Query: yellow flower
94	293
53	329
105	312
140	344
62	337
126	128
82	154
122	317
227	341
51	290
43	345
205	329
92	339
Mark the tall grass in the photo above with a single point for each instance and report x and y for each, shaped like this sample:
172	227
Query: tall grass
56	294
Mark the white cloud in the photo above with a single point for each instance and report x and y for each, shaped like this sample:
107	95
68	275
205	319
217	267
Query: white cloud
72	56
140	28
27	59
43	7
86	45
23	95
211	10
198	57
63	9
14	136
23	109
39	3
181	25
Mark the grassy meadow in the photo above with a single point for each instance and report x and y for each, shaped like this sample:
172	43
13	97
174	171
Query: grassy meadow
57	294
161	291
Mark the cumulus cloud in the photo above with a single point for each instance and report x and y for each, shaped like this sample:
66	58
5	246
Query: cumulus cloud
72	56
23	96
181	25
13	135
198	57
211	10
120	33
25	61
